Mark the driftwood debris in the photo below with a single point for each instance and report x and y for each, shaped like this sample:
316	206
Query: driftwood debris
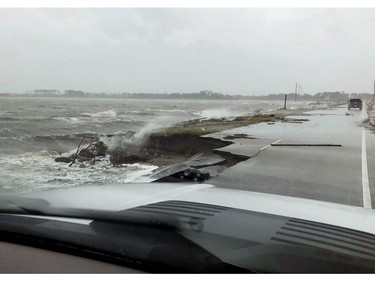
76	155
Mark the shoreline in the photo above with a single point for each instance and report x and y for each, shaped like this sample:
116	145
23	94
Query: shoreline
178	143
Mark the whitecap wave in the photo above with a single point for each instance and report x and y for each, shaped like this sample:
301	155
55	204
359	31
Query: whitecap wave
217	113
150	127
7	132
172	110
36	171
72	120
108	113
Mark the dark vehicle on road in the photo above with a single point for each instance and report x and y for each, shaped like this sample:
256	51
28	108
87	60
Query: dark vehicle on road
355	103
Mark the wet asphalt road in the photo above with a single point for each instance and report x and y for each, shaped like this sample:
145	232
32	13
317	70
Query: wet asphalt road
326	173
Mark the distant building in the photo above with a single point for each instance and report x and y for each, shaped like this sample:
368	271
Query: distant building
74	93
45	92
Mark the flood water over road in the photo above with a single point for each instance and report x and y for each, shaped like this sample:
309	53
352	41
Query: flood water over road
316	170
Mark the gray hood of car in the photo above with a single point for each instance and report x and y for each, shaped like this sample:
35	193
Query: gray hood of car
125	196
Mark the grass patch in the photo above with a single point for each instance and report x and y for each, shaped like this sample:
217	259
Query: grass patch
206	127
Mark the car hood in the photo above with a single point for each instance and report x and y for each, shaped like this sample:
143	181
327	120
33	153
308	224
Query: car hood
126	196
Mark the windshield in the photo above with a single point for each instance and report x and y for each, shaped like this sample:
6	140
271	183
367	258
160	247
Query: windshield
268	111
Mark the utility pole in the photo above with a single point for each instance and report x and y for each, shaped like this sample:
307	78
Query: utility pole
373	95
295	93
301	90
286	96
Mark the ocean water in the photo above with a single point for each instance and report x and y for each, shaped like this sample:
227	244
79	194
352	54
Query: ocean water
34	131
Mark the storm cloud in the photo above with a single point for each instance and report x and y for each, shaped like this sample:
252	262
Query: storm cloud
233	51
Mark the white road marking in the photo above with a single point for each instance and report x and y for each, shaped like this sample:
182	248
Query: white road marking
263	148
267	146
365	181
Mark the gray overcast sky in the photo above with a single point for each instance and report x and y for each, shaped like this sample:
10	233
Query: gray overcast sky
233	51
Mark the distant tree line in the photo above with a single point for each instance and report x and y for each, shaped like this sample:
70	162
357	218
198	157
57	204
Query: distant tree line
321	96
202	95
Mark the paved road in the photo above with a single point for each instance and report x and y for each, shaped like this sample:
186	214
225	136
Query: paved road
335	174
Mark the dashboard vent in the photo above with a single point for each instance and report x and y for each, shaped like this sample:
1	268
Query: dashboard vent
308	233
183	209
